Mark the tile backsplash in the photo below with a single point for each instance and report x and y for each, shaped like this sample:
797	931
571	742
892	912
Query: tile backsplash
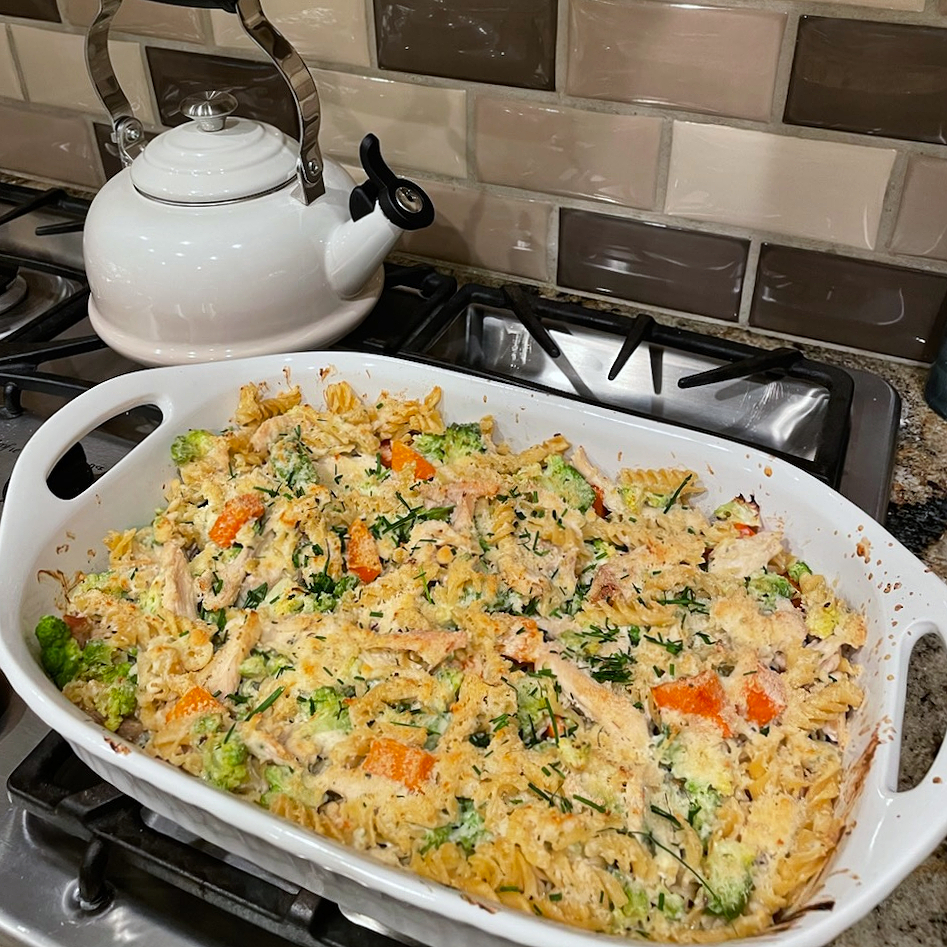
780	164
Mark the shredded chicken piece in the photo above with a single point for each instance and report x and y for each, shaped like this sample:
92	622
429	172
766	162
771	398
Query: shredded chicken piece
230	575
179	596
745	555
222	675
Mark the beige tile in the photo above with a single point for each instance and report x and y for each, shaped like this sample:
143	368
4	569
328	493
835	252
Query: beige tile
705	59
567	151
9	83
54	70
48	146
421	128
327	30
485	230
821	189
921	229
142	16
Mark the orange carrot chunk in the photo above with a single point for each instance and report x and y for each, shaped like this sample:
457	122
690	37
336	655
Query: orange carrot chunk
236	512
196	701
699	696
403	456
362	553
764	696
599	504
404	764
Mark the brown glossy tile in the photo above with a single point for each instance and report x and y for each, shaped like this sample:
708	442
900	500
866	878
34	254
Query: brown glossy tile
32	9
485	230
48	146
257	86
567	151
888	309
142	16
875	78
479	40
706	59
921	229
649	263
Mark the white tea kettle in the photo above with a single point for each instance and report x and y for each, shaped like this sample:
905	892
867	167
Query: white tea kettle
223	237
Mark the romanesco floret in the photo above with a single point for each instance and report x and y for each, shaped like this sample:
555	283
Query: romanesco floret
328	711
225	761
292	463
740	510
118	700
192	446
729	879
703	802
768	587
466	833
60	653
564	479
797	570
532	711
459	440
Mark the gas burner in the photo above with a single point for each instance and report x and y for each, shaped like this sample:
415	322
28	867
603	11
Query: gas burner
13	287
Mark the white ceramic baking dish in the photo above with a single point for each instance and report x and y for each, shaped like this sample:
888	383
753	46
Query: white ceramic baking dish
889	832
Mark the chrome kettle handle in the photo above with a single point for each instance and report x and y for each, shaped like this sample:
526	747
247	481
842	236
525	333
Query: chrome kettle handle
127	131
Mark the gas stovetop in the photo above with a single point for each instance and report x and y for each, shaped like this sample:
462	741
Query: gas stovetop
79	863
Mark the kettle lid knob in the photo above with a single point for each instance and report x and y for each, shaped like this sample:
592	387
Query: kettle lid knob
209	109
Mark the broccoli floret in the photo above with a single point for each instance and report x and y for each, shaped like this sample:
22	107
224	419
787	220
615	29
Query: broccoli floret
326	591
564	479
729	879
118	700
459	440
60	653
767	587
328	711
260	664
797	570
703	802
225	761
638	904
191	446
292	462
106	581
467	832
740	510
532	711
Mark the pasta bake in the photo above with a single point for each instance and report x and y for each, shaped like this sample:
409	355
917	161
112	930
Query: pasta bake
578	695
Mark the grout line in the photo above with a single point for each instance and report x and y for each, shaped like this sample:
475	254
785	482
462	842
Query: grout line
784	64
560	62
17	66
471	136
664	166
892	201
371	36
749	281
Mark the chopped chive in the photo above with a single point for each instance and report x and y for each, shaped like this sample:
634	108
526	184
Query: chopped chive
598	807
266	704
666	815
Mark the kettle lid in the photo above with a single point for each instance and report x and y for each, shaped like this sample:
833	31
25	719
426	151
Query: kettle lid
214	157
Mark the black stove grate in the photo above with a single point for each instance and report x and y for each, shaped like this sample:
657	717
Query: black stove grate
53	785
537	315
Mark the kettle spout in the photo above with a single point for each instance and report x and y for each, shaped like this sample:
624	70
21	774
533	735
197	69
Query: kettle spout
356	249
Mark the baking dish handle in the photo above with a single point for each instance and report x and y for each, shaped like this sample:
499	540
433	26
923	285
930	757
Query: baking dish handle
903	813
77	418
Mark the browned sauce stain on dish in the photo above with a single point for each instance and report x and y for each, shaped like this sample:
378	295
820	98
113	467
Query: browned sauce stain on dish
768	471
61	550
117	747
489	908
864	550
